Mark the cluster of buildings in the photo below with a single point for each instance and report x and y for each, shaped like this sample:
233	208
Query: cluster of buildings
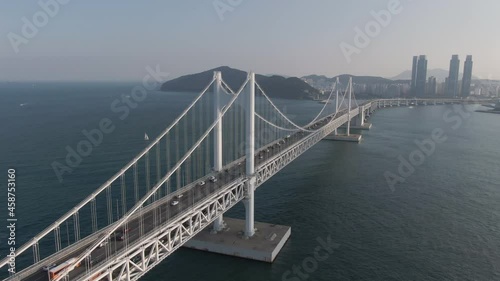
421	86
382	89
367	87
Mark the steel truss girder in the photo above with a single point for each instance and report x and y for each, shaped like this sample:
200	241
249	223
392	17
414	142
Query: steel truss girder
140	257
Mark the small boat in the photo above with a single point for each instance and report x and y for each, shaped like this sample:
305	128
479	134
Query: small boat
324	101
146	138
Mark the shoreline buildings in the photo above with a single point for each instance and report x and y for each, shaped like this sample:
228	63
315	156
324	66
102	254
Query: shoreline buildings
419	76
432	86
452	89
420	86
467	78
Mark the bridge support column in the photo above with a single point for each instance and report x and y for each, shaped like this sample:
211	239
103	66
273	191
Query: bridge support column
250	157
219	222
359	121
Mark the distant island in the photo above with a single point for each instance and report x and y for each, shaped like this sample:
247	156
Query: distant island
274	86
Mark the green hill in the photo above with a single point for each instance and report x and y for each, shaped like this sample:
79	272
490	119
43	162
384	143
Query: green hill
274	86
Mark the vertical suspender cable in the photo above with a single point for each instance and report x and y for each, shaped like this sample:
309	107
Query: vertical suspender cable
148	179
67	233
194	136
178	172
167	148
109	205
124	194
141	222
136	184
36	255
242	128
158	165
76	225
187	165
57	238
93	211
207	142
117	210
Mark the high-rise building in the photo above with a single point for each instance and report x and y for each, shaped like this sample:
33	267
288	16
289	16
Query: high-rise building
467	79
452	86
432	86
421	76
414	76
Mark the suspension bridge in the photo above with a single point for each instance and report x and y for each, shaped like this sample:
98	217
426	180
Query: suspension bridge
216	153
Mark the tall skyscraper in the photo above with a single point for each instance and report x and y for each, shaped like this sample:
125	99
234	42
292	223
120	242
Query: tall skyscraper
414	76
467	79
421	76
432	86
452	86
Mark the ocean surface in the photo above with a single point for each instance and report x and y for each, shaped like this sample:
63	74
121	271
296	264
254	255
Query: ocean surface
441	221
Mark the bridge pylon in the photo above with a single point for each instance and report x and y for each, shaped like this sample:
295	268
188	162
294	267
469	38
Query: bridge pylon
244	238
219	222
249	200
347	136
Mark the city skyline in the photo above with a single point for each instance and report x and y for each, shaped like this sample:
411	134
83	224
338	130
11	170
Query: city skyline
90	41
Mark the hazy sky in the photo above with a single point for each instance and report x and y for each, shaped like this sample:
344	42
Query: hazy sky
117	39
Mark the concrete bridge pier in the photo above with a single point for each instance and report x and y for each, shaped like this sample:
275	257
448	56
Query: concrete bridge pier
359	121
